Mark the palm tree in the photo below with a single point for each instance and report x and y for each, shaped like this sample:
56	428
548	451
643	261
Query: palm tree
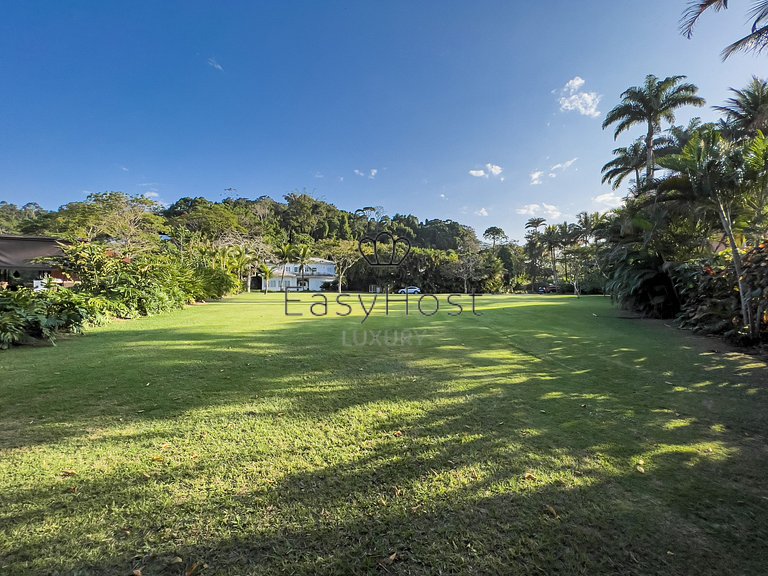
551	240
265	271
676	137
243	261
285	254
649	104
708	173
587	224
302	254
747	111
628	160
756	41
535	223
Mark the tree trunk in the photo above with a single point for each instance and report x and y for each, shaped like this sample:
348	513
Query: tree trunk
565	264
649	153
248	280
725	220
554	265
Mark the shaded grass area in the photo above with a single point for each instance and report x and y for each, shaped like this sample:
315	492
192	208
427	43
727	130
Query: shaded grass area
548	435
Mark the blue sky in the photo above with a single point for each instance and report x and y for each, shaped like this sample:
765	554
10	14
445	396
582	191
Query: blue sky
486	112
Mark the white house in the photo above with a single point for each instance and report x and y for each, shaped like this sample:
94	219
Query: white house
316	273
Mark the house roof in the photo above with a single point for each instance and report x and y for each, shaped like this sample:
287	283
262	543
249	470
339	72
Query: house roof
18	252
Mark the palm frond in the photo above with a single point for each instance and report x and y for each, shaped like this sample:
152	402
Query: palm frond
694	11
756	42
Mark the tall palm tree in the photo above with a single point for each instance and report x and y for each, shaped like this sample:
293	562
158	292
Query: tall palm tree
551	240
649	104
755	41
628	160
285	254
708	173
747	111
587	225
302	254
535	223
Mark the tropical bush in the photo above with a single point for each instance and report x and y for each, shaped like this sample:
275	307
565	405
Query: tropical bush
26	315
144	284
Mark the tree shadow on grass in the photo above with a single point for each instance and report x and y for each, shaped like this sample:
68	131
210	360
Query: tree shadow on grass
485	449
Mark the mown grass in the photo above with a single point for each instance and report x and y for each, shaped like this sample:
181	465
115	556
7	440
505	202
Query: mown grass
548	436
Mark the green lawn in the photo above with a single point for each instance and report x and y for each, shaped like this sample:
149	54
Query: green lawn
550	435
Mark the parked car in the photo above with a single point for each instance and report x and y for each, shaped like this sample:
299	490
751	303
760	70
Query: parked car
410	290
547	290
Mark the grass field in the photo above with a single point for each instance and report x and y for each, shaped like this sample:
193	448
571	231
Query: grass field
549	435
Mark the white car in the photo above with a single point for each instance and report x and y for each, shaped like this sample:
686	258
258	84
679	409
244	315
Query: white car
410	290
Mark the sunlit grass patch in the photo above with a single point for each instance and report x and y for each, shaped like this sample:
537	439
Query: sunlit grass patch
526	439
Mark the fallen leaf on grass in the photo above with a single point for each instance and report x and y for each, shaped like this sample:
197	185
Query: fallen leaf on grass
551	511
136	572
529	476
68	473
640	469
398	434
389	559
157	458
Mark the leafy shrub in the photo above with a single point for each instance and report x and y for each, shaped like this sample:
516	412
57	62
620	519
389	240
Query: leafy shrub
144	284
27	315
710	296
710	303
639	281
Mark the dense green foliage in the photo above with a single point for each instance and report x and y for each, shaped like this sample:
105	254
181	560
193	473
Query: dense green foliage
27	316
689	239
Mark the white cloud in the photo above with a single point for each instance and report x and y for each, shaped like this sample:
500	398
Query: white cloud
213	64
124	169
151	194
442	196
573	98
481	212
490	170
536	177
564	165
147	184
493	169
370	174
341	178
574	84
546	210
561	167
608	200
319	175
